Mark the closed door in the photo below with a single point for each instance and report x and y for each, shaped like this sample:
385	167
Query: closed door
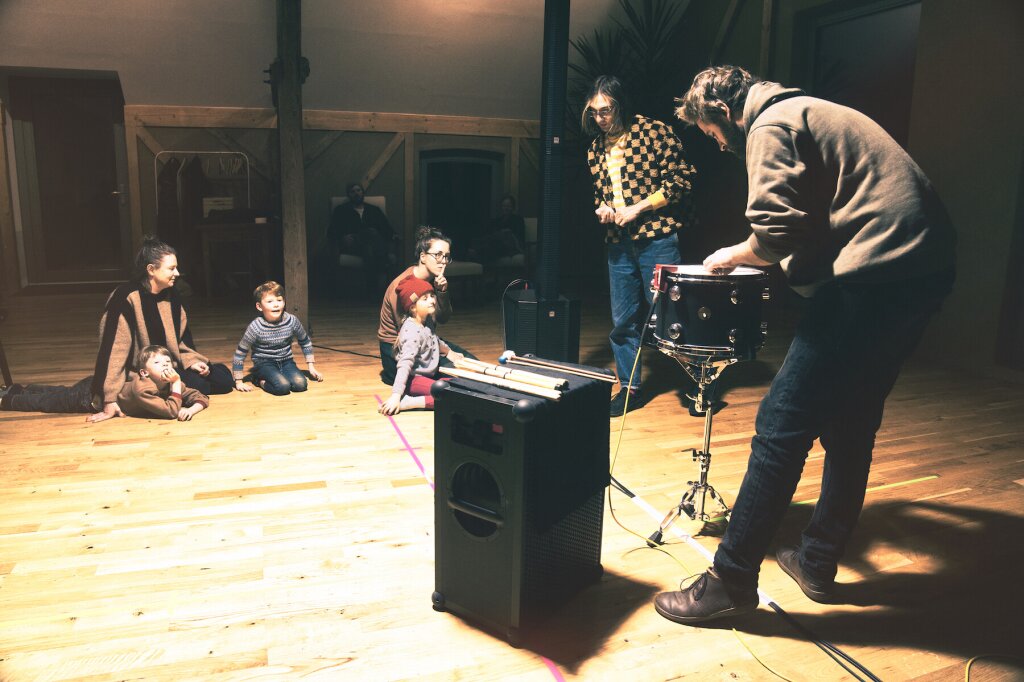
69	147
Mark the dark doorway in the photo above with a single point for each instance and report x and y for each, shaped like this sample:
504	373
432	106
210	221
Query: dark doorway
68	133
862	54
460	190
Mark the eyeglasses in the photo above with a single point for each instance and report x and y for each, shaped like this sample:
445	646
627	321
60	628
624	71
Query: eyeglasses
440	256
603	112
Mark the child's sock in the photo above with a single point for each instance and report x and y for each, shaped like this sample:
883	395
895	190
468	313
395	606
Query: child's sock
413	402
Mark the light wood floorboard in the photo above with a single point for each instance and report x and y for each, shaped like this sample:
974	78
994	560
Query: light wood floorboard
292	538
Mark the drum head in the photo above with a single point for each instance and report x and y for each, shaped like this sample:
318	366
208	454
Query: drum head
698	272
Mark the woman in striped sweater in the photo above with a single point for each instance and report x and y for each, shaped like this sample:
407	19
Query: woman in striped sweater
144	312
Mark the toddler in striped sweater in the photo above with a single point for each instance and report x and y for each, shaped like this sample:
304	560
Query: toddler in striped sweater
269	338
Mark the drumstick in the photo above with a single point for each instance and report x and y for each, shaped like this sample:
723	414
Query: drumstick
513	374
517	359
536	380
503	383
510	356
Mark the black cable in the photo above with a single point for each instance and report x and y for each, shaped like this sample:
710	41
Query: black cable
507	287
824	645
350	352
621	488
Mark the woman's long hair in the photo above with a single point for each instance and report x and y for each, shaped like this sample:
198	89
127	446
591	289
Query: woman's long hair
614	90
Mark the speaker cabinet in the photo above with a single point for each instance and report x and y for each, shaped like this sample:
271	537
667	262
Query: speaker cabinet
550	329
518	504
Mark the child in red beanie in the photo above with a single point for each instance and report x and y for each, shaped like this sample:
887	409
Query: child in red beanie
418	350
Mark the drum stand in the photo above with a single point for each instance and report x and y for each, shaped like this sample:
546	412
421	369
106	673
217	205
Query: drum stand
704	370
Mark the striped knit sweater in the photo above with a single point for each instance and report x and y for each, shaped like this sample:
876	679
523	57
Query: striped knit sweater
270	342
133	319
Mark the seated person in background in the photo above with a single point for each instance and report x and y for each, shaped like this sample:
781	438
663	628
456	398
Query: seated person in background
269	337
507	235
433	253
361	229
418	349
155	391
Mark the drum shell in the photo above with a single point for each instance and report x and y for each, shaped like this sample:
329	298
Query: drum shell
714	315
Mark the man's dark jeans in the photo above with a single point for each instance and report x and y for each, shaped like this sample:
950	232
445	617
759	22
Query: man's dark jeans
841	365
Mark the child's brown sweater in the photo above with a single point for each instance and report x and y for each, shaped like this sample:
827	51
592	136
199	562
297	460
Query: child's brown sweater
141	397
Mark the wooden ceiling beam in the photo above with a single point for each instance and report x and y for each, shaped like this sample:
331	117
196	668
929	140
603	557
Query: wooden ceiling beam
162	116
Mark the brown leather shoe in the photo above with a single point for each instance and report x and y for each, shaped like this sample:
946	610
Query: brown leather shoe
707	598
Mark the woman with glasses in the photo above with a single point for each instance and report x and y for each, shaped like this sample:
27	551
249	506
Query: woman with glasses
433	254
641	188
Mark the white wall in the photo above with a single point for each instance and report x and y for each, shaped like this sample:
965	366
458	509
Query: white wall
458	57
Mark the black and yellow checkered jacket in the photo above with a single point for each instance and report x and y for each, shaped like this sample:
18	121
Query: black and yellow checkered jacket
654	164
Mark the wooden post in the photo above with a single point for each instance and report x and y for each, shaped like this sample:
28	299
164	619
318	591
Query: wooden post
513	167
8	249
764	63
131	138
409	230
289	133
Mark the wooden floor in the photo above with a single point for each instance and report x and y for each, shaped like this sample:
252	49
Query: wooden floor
292	538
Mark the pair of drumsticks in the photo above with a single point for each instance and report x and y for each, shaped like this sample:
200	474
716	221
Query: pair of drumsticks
520	380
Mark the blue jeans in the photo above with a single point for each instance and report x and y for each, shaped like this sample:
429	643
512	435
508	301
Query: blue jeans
280	377
841	366
630	269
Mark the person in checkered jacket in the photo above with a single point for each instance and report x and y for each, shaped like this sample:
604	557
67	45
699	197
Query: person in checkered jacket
642	188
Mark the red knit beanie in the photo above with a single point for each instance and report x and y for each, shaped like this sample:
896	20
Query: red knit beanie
410	290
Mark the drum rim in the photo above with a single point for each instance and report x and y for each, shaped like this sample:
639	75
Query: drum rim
740	272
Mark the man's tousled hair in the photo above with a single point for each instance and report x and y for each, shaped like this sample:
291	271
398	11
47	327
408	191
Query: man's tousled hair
726	84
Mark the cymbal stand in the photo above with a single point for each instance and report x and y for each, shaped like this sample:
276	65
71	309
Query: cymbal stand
695	502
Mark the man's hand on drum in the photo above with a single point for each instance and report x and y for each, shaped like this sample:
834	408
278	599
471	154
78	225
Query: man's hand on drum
605	214
727	259
720	262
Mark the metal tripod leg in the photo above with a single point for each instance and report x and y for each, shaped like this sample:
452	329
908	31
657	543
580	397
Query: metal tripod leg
694	502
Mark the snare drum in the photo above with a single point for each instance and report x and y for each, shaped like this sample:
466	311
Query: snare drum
705	315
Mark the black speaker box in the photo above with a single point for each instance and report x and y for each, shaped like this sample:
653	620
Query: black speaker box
550	329
518	504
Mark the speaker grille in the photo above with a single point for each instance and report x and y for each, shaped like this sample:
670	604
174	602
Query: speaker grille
566	555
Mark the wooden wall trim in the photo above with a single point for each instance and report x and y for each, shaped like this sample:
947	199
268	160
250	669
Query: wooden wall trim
320	119
160	116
